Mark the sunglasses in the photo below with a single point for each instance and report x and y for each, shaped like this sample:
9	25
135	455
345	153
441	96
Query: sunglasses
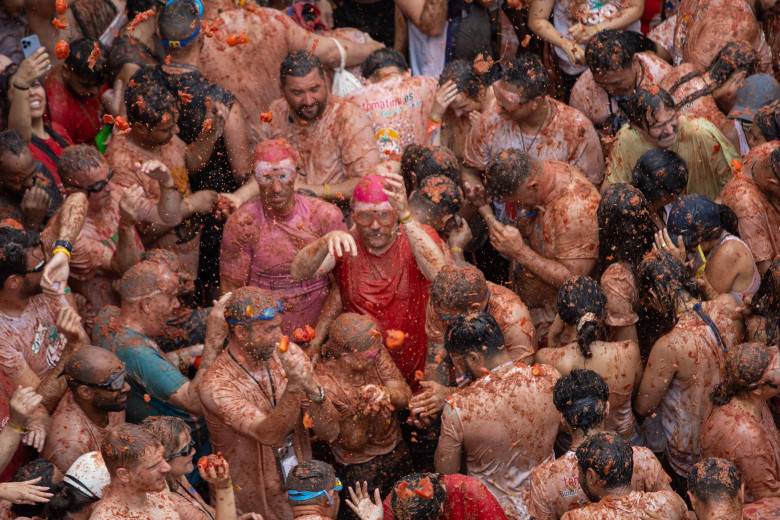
189	448
39	267
366	218
267	314
114	383
98	186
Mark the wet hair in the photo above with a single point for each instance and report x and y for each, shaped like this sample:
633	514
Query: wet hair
474	332
668	278
178	21
581	397
125	446
581	303
735	57
438	195
78	159
381	58
135	7
13	243
527	73
745	366
610	456
659	173
246	302
644	102
609	50
311	475
78	61
299	64
698	219
714	480
6	76
42	468
425	161
415	506
352	332
766	301
465	77
67	499
458	287
147	98
11	141
625	226
768	120
166	429
508	171
139	280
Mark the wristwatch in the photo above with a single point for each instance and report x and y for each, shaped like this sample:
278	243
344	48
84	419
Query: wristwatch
320	397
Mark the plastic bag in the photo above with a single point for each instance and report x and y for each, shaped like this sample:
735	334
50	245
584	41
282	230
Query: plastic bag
344	81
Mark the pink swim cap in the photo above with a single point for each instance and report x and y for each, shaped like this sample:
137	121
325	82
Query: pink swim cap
369	189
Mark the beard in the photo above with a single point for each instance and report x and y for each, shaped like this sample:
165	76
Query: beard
299	110
30	289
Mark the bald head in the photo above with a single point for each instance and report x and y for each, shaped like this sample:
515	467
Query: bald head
91	365
144	279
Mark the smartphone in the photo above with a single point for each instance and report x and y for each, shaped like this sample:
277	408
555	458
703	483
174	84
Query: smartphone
30	44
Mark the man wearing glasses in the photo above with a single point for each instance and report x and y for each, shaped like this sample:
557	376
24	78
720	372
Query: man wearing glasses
263	236
257	398
383	266
108	244
94	404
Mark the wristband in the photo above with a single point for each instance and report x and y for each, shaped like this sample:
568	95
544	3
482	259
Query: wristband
20	429
61	250
64	244
407	218
188	204
326	187
166	187
456	249
17	87
436	122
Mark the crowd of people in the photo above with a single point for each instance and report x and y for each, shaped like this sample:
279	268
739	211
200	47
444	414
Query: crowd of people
365	260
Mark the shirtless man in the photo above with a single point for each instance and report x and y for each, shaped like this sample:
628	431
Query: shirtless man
134	458
606	467
255	398
393	99
507	401
457	291
333	135
94	404
95	19
525	118
582	398
686	363
614	71
251	71
559	243
755	202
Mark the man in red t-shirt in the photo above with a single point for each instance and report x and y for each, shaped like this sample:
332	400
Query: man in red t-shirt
430	496
383	266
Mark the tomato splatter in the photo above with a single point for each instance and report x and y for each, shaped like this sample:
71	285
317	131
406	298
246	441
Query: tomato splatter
62	50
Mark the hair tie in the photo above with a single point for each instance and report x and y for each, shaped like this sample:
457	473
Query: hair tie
588	316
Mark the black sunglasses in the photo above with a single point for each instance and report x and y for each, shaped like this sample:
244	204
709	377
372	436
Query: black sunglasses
39	267
114	383
98	186
184	452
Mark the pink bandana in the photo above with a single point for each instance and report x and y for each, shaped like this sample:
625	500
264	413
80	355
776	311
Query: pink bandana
369	189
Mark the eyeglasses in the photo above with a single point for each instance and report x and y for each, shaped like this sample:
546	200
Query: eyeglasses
366	218
284	178
114	383
266	314
184	452
39	267
98	186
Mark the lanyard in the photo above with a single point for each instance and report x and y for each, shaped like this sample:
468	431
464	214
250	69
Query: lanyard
194	501
270	378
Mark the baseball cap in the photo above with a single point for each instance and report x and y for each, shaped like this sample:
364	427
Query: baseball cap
757	91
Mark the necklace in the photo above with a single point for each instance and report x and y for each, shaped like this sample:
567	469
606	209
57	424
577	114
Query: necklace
541	125
270	378
193	499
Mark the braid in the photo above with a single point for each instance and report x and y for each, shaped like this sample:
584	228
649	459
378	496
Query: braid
706	91
685	79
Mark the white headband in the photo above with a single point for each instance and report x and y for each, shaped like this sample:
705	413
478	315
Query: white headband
263	168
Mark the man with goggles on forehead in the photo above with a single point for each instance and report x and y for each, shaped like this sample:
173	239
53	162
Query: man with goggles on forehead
108	244
94	403
312	489
367	390
383	265
285	220
256	398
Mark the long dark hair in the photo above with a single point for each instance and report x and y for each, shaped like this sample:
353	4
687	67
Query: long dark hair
581	302
766	301
668	278
625	226
734	57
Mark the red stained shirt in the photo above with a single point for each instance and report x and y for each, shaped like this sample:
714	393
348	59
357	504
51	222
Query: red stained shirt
82	117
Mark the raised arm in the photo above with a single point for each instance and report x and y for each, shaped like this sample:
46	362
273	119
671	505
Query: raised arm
539	22
29	72
429	256
319	257
70	220
427	15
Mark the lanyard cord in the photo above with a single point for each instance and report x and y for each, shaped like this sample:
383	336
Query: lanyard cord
194	499
270	378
